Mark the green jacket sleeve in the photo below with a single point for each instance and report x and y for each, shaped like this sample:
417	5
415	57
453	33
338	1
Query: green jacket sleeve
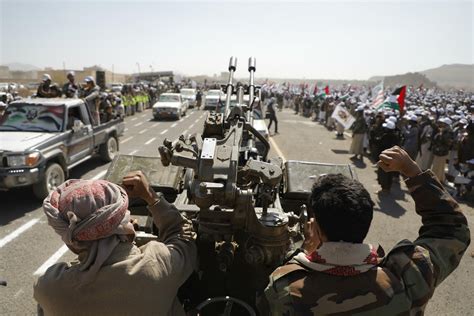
444	233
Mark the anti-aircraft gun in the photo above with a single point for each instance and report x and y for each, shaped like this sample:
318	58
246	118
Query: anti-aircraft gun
247	209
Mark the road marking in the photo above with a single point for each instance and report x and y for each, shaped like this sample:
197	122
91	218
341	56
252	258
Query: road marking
99	175
277	149
52	260
201	115
174	124
138	124
143	131
17	232
125	140
150	141
143	115
125	130
133	152
163	132
196	120
155	125
185	132
135	118
191	126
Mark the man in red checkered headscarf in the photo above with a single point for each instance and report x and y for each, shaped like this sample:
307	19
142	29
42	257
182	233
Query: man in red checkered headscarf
114	276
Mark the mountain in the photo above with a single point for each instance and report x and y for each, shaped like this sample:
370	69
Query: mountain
414	79
459	76
21	67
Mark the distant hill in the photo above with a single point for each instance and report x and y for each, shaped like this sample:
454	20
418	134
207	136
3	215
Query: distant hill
414	79
459	76
21	67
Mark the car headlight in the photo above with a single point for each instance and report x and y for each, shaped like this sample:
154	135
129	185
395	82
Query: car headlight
29	160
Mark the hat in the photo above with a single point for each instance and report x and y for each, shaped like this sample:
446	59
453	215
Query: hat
389	125
46	77
413	118
2	105
392	119
445	120
360	108
89	79
70	73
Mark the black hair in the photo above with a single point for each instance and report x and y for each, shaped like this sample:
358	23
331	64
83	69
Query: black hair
342	207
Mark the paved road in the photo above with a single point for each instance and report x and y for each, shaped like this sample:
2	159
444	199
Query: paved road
28	245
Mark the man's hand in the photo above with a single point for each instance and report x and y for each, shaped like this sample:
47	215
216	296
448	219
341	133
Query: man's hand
136	185
397	159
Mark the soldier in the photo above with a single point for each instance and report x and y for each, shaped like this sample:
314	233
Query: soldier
358	134
388	138
46	89
336	273
441	145
112	275
410	136
91	95
70	88
425	155
271	114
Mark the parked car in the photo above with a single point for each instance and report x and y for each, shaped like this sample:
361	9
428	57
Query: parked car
190	96
42	139
211	100
170	105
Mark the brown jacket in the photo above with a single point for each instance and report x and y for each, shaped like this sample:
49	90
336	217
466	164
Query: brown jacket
133	281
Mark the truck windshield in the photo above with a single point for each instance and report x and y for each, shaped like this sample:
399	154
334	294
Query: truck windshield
187	92
169	98
213	92
32	118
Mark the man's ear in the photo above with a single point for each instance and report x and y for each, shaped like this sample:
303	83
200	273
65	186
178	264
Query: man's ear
319	233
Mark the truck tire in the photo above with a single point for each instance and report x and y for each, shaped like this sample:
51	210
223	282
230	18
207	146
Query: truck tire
109	149
53	177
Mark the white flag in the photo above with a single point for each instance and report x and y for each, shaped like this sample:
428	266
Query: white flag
341	115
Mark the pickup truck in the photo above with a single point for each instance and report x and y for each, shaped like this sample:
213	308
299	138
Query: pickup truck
42	139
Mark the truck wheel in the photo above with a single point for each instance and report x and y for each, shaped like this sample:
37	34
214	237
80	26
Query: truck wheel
53	177
178	117
109	149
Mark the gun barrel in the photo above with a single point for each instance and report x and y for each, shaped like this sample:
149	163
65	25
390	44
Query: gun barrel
252	68
230	87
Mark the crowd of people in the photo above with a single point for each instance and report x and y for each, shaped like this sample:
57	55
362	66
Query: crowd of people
436	128
103	104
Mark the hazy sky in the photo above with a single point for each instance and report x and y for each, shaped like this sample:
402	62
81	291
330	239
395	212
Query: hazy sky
333	39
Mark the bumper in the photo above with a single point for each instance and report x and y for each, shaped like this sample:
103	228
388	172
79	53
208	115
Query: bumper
192	103
164	114
18	177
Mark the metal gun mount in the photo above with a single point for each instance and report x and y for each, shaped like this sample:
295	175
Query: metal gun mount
232	184
248	210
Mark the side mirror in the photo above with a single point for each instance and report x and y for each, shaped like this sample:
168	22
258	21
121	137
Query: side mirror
78	125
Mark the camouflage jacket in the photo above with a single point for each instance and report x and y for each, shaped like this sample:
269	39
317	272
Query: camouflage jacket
400	283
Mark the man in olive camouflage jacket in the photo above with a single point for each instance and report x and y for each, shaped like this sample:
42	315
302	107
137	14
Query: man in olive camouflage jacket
335	273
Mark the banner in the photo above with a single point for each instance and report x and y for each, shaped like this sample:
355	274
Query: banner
341	115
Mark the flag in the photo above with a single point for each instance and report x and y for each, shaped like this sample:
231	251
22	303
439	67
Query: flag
363	96
341	115
377	95
326	90
396	100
